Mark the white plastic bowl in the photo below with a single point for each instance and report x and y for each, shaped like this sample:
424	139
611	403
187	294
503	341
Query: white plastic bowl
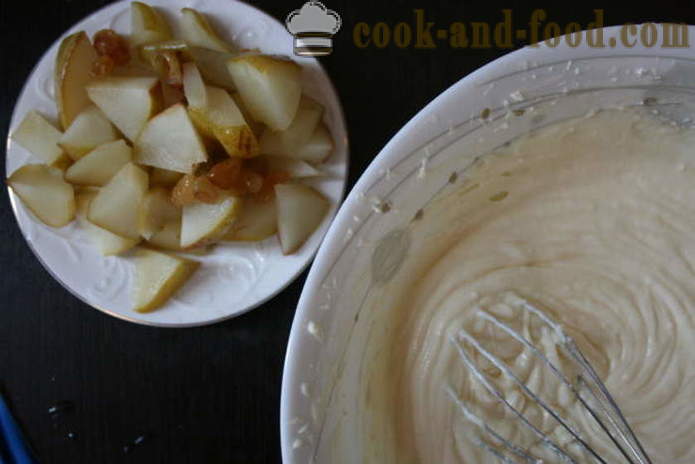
320	408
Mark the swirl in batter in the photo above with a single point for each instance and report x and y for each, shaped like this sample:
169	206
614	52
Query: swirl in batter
594	220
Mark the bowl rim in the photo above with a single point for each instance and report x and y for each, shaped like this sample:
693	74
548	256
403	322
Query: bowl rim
512	62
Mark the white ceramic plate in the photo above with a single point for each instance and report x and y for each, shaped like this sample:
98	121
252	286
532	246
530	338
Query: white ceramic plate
524	90
234	278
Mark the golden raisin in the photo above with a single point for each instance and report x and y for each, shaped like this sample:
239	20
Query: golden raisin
108	43
225	174
183	192
205	191
102	66
271	179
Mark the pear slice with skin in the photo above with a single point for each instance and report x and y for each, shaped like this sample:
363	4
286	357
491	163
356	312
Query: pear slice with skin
257	221
212	65
88	130
222	120
40	137
116	207
43	190
269	86
147	25
300	211
156	210
198	32
72	73
203	223
106	242
99	165
157	277
128	102
287	142
170	141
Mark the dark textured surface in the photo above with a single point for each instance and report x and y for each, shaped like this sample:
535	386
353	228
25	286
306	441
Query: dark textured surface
204	395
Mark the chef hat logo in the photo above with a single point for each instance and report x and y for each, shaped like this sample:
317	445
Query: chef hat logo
313	27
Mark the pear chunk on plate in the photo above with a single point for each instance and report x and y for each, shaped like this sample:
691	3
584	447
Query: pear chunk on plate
295	168
129	102
222	120
300	211
287	142
99	165
164	177
72	72
116	207
169	141
257	221
39	137
43	190
156	210
168	237
147	25
157	277
204	222
269	86
194	86
318	148
212	65
198	32
88	130
106	242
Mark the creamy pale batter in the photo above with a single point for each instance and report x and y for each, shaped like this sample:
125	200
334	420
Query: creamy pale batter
594	220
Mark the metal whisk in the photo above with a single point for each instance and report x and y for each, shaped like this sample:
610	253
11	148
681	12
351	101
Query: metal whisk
588	389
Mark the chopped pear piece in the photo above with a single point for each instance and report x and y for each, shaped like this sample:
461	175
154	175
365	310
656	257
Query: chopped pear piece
168	237
164	177
287	142
156	210
318	148
221	119
293	167
198	32
257	221
106	242
204	222
212	65
300	211
256	127
169	141
72	72
194	87
147	25
99	165
39	137
129	102
43	190
88	130
116	207
270	88
157	277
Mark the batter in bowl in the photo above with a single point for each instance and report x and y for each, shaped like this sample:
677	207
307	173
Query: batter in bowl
592	219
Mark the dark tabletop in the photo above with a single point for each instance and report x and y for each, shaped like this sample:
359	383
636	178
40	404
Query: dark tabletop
210	394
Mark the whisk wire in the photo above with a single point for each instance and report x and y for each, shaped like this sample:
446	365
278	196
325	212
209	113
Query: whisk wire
619	432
